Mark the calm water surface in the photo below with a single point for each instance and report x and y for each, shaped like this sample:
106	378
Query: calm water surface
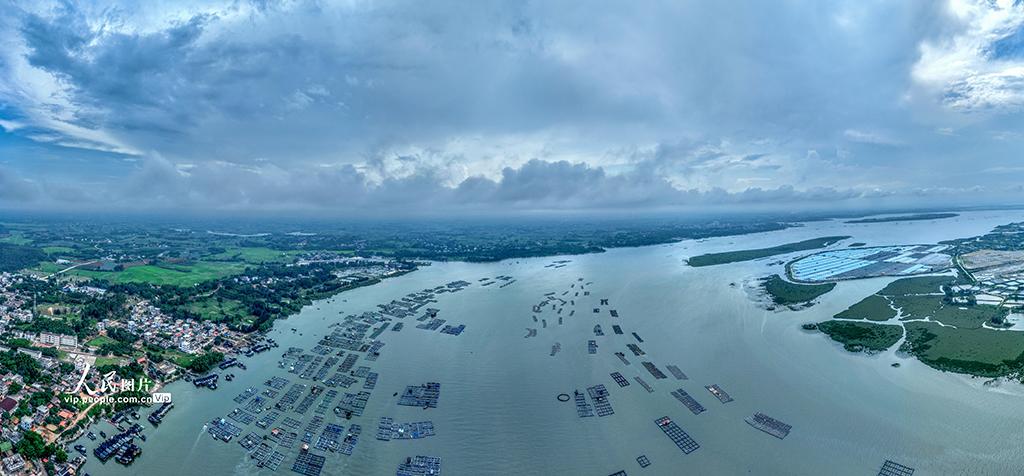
498	411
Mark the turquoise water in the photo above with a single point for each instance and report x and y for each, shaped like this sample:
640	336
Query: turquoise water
498	411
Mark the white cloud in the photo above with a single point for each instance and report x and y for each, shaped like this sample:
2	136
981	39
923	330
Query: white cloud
963	71
11	126
870	137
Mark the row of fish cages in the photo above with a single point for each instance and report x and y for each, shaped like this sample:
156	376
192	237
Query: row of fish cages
308	464
388	430
654	370
718	393
425	395
420	466
688	401
221	429
330	438
276	407
769	425
681	439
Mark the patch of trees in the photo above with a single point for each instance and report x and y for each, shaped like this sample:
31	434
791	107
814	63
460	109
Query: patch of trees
21	364
205	362
115	348
122	335
33	446
43	324
16	257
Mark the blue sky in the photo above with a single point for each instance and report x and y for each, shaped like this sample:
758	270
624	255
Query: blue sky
451	107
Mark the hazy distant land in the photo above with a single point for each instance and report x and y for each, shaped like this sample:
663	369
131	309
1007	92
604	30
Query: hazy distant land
712	259
916	217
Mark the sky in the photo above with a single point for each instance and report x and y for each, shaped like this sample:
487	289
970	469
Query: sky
391	108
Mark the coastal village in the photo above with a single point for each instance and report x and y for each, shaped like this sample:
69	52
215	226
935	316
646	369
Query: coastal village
52	371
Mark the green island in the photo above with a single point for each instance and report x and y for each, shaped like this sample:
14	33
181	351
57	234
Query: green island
712	259
915	217
860	336
785	293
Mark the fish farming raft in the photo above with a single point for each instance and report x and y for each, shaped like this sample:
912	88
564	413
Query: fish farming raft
677	435
769	425
688	401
